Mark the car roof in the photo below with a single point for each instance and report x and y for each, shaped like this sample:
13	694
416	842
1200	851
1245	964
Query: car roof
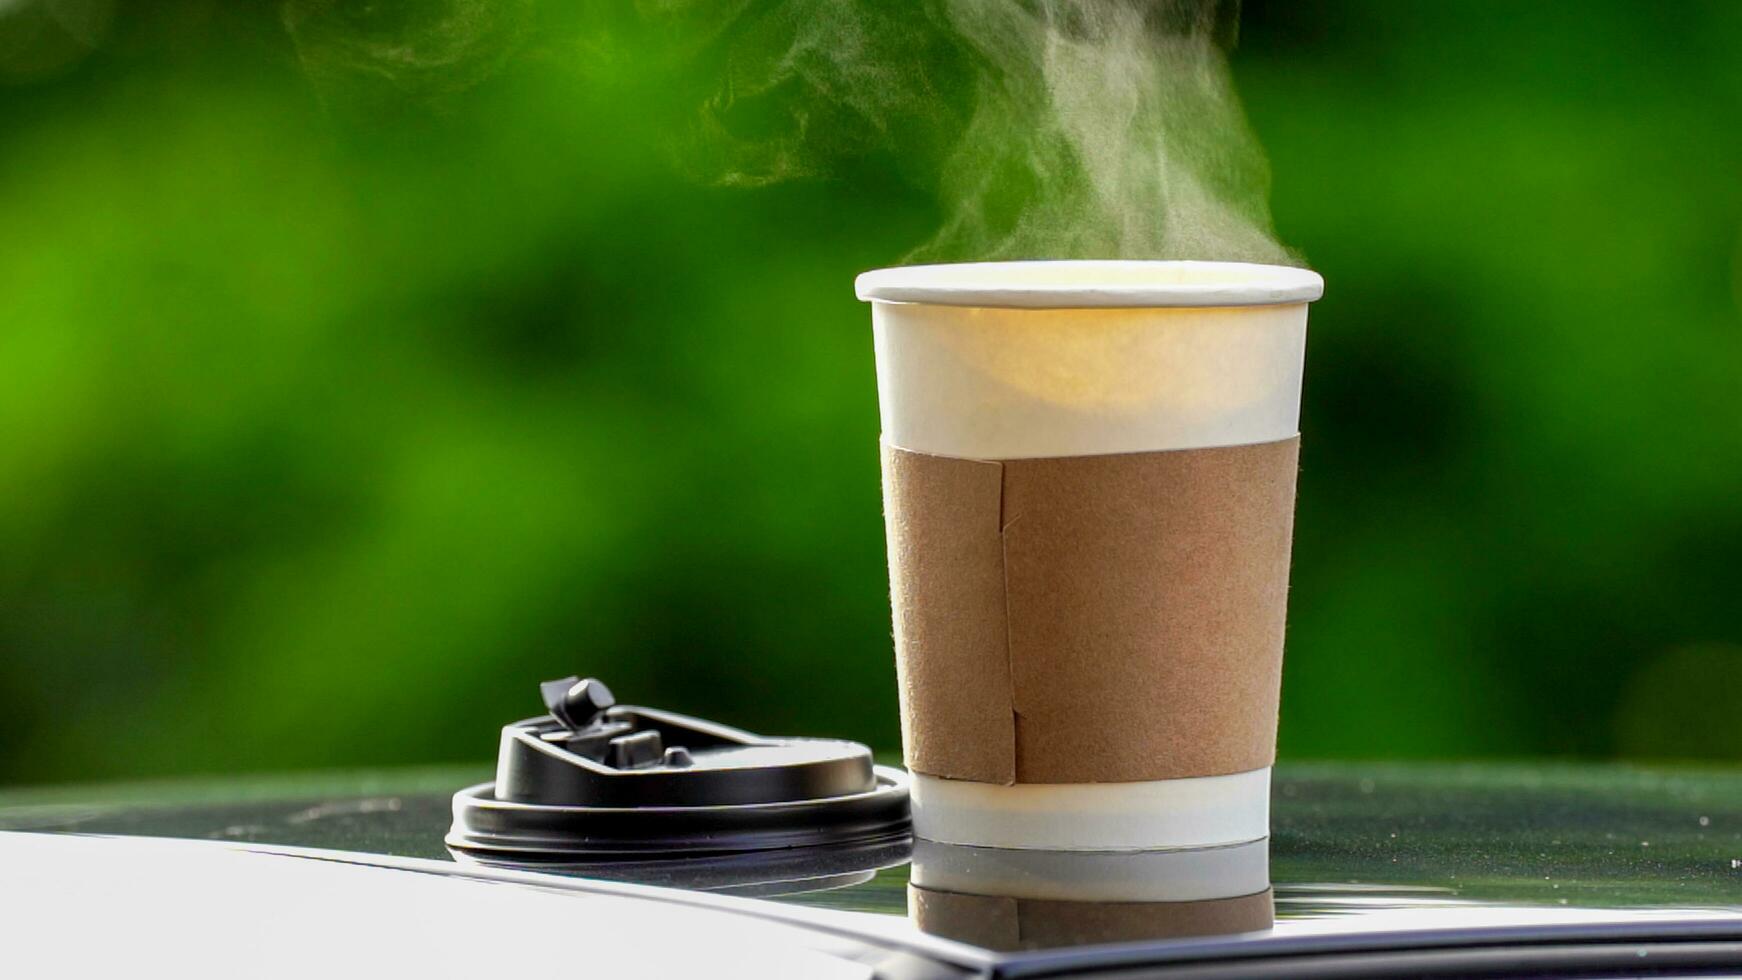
1375	855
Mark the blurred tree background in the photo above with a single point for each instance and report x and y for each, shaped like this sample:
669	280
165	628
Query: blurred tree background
363	363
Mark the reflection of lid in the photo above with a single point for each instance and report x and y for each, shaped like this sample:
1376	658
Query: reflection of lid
594	780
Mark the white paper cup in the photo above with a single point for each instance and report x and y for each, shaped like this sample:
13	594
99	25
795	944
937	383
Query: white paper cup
1021	360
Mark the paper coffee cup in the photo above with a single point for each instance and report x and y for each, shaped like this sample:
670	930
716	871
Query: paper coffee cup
1010	899
1089	484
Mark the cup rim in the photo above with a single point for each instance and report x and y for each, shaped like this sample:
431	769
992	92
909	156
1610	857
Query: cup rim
1091	284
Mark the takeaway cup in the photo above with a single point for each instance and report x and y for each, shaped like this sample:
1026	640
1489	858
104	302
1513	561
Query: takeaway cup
1089	477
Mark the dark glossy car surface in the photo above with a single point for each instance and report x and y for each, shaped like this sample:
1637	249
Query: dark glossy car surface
1376	870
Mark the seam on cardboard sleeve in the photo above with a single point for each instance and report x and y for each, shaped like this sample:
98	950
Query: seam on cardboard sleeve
1005	522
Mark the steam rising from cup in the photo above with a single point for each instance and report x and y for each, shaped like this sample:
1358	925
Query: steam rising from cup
1042	128
371	56
1045	128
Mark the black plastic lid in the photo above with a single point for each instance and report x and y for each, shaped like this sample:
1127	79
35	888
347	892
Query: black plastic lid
594	781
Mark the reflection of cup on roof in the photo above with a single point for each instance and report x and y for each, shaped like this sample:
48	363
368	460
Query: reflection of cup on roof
1030	899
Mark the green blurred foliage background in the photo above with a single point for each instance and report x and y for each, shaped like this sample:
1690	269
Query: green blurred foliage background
362	363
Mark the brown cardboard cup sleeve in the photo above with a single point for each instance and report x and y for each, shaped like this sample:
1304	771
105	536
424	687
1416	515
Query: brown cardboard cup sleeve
1086	619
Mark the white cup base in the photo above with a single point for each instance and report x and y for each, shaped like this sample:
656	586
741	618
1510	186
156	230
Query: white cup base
1203	811
1185	874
